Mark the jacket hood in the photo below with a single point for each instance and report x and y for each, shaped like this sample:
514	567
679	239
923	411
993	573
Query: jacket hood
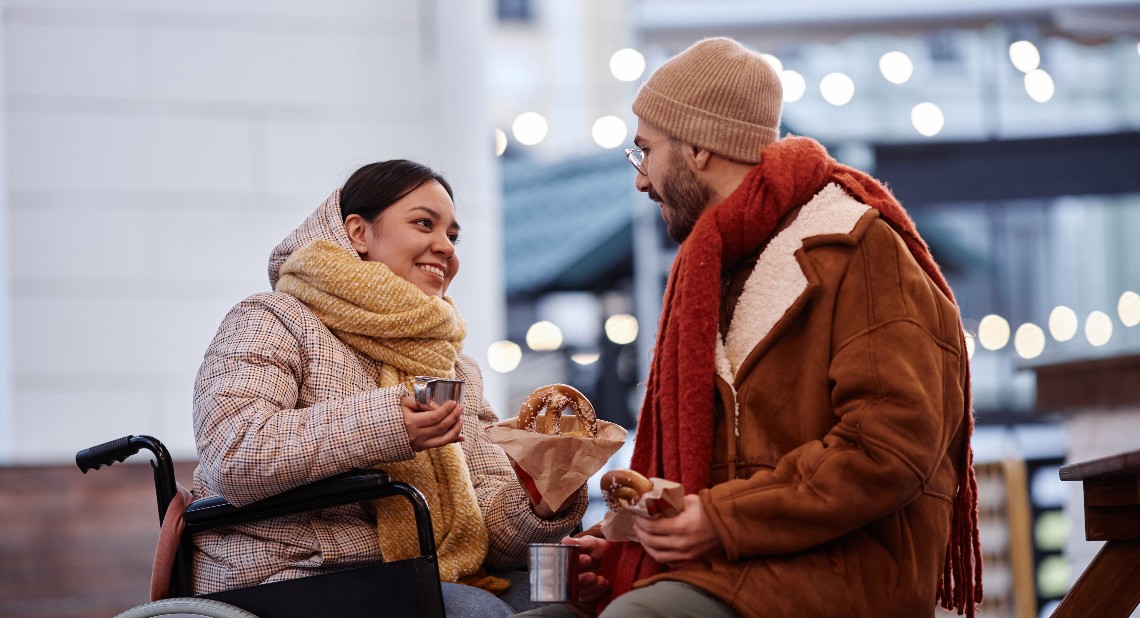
324	224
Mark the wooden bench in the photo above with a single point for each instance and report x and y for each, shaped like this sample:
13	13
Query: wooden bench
1110	586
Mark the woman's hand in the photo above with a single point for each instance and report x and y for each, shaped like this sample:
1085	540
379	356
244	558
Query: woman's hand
591	585
432	425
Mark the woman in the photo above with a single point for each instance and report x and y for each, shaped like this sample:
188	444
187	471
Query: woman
314	379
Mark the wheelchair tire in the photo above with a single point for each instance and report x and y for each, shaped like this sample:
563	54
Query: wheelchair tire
186	606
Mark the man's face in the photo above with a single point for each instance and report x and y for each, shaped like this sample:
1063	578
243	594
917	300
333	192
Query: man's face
671	181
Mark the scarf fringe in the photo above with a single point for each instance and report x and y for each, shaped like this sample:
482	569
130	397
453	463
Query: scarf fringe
961	586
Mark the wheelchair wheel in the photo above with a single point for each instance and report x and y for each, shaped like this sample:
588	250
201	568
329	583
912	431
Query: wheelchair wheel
186	607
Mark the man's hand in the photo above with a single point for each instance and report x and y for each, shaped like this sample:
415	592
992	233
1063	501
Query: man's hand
686	537
431	425
591	585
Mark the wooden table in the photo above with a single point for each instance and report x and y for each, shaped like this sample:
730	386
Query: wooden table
1110	586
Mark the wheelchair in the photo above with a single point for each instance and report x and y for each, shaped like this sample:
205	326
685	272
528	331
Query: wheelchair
408	587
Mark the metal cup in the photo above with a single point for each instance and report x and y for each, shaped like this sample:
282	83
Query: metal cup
438	390
553	573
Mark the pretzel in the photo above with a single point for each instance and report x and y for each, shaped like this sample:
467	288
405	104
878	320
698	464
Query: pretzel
556	398
622	488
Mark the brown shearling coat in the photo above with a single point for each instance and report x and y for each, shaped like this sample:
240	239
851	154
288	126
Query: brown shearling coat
839	426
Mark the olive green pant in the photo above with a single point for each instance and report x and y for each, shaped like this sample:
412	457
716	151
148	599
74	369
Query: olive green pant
665	599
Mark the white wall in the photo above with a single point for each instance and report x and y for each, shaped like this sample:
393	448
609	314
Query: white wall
7	419
464	139
158	150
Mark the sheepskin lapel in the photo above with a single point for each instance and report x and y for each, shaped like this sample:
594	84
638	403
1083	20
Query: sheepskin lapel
779	284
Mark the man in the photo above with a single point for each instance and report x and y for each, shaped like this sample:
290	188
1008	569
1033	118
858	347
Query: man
810	385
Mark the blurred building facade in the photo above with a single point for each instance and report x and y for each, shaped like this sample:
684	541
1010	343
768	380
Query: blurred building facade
156	153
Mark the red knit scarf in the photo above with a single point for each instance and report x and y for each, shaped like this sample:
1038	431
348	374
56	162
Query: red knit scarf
674	432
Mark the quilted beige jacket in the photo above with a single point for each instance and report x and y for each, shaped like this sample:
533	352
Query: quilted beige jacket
280	402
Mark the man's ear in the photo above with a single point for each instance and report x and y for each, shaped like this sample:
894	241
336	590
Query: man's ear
698	156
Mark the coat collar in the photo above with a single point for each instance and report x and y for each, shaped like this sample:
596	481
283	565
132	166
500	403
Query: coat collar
779	283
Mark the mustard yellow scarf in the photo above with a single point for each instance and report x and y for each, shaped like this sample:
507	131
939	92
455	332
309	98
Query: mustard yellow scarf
386	318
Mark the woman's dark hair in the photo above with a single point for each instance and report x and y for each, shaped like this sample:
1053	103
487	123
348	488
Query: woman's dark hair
377	186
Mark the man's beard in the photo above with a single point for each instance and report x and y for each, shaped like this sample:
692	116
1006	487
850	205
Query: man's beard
683	196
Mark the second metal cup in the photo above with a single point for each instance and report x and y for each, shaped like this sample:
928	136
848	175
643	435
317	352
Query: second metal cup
553	573
438	390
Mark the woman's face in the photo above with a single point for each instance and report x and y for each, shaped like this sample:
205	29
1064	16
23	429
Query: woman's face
415	237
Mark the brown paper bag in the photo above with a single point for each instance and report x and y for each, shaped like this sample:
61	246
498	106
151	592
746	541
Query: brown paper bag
551	468
666	499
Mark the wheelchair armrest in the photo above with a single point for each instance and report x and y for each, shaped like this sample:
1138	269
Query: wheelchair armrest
354	486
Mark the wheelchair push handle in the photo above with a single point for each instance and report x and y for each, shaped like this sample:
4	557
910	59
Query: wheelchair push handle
118	450
106	453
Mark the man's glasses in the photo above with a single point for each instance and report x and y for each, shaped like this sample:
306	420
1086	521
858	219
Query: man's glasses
637	156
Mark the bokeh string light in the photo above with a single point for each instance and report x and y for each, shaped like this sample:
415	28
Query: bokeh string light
794	85
504	356
927	119
500	142
585	358
529	128
896	67
993	334
1128	308
627	64
1063	325
1039	85
1098	328
836	88
621	328
1029	340
1024	56
544	336
609	131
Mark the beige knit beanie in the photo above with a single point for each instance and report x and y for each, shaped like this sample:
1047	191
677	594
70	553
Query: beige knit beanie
717	95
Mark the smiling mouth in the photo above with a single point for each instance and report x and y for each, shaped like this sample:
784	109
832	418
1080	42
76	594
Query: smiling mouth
435	270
